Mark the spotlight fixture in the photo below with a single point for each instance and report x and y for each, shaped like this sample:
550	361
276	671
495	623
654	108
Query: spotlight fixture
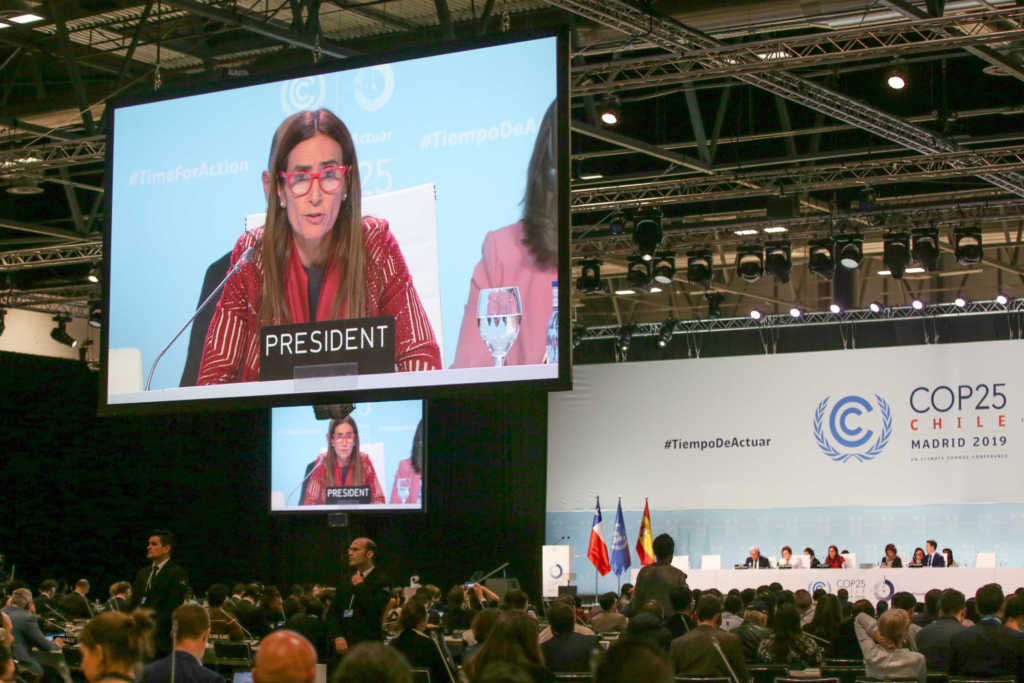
876	307
821	257
756	314
835	308
578	333
589	281
795	312
665	334
868	197
3	325
1002	299
715	301
850	249
664	268
926	248
962	302
917	304
24	187
750	262
647	232
638	272
625	338
778	260
896	253
967	248
700	267
60	334
617	223
896	76
94	275
95	314
611	109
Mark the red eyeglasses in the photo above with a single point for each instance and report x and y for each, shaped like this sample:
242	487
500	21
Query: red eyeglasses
301	182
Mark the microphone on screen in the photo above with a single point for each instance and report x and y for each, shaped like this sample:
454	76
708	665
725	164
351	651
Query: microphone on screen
242	260
319	464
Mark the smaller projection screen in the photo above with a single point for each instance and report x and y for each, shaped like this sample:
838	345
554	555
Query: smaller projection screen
372	229
374	460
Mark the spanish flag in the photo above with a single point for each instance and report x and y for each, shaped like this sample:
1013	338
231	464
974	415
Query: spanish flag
644	545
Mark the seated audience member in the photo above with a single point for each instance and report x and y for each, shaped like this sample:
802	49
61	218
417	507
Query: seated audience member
631	661
545	635
483	622
845	645
236	597
309	623
515	600
291	603
891	559
567	651
513	640
931	608
114	645
193	632
834	560
748	595
45	601
788	644
656	581
8	639
25	631
284	657
625	596
421	650
948	554
696	654
221	622
247	610
649	625
753	630
804	606
919	558
608	619
681	622
732	612
825	624
76	604
888	656
972	616
756	560
373	663
457	614
1013	612
845	605
987	649
120	592
933	641
271	609
906	601
7	666
881	607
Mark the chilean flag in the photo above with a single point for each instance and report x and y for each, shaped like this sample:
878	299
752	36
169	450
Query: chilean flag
597	553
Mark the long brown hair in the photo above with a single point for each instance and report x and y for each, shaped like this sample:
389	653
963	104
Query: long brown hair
513	639
355	461
346	239
540	203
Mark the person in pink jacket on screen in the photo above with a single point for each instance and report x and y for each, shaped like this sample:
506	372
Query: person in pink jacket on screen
523	255
411	469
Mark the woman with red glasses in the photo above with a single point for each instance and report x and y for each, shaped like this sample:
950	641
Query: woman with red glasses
344	465
316	258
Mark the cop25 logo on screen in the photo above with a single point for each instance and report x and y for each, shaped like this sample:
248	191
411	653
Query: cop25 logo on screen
852	423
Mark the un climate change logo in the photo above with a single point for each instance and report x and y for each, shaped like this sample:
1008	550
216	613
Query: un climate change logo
848	431
374	86
303	94
556	571
815	585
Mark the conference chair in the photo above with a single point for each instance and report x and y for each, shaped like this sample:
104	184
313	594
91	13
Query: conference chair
767	673
849	671
421	676
712	562
691	679
987	560
937	676
233	654
975	679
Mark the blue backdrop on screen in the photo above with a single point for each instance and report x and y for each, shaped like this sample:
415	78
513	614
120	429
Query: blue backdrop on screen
297	438
187	171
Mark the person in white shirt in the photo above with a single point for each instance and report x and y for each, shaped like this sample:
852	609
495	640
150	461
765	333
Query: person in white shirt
884	644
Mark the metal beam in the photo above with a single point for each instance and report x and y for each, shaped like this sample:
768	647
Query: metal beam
640	146
44	257
697	123
445	17
64	40
39	230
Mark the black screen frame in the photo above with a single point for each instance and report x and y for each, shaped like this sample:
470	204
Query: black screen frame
564	380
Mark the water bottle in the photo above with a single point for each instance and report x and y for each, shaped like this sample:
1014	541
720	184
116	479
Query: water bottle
553	326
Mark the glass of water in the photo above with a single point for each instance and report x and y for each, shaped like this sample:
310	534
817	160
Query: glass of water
498	318
404	487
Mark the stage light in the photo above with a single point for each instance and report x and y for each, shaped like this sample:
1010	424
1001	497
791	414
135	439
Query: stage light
647	232
95	314
917	304
926	248
868	196
578	334
821	257
665	334
962	301
60	334
664	268
744	232
1002	299
611	109
835	308
967	248
896	253
700	267
715	301
624	292
617	222
850	249
795	312
876	307
638	272
896	77
94	275
3	325
625	337
778	259
756	314
750	262
589	281
775	229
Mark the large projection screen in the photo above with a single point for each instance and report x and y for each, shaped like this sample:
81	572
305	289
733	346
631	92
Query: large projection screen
462	164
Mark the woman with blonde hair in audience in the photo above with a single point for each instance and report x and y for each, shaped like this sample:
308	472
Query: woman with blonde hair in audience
884	644
115	645
513	640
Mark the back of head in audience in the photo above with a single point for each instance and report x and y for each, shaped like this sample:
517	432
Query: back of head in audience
894	625
456	597
990	599
819	593
505	672
787	621
253	592
483	622
863	607
748	595
843	594
681	598
1013	612
191	622
116	642
414	614
733	604
708	609
512	640
561	617
516	599
952	603
608	601
881	608
120	588
284	657
21	597
633	661
373	663
931	601
311	606
906	601
217	594
664	547
802	600
653	607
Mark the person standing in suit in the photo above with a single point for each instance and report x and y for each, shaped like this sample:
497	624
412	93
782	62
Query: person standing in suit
191	633
697	653
934	558
656	581
160	587
25	630
76	603
987	649
567	651
358	608
756	559
119	593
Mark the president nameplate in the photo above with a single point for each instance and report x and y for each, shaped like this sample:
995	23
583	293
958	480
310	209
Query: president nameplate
363	346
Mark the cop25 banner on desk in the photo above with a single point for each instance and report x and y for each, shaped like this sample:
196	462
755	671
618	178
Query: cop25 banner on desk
941	423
